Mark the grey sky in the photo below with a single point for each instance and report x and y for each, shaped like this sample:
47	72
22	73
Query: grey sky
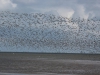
66	8
57	34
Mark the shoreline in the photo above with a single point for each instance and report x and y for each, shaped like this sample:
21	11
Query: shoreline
49	64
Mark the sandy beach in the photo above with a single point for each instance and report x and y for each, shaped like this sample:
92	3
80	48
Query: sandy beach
49	64
34	74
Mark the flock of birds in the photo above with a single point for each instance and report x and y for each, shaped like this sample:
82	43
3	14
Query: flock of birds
39	30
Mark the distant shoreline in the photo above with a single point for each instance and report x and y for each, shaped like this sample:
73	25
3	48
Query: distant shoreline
72	56
53	53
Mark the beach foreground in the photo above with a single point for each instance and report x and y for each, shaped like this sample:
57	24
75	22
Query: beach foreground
49	64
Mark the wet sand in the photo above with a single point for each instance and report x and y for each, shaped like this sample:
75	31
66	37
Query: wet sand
49	64
34	74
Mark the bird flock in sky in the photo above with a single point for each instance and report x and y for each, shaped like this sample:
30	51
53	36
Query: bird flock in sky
39	30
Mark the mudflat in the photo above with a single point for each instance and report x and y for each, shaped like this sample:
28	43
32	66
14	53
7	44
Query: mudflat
49	64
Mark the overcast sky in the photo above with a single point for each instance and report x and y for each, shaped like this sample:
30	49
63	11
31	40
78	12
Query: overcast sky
66	8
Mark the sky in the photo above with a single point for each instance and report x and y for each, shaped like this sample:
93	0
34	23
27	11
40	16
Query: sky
66	8
87	30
